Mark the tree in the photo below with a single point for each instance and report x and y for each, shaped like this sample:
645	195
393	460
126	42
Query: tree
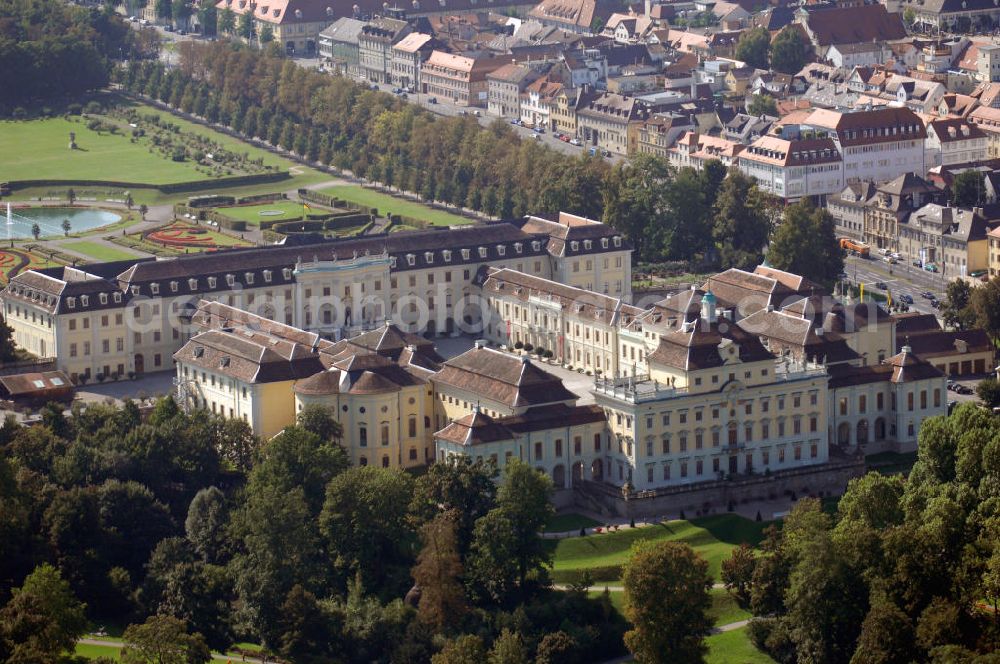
986	305
438	574
789	51
321	421
307	633
752	47
886	636
465	489
956	310
8	351
805	243
364	522
742	222
737	573
508	648
36	230
558	648
164	9
266	34
525	495
988	391
226	22
763	105
143	209
466	649
66	226
245	28
181	10
163	640
208	18
667	601
42	620
633	200
492	563
206	523
237	443
297	458
967	189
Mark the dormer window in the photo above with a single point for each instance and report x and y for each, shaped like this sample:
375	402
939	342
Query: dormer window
587	244
212	281
117	297
604	242
392	261
173	286
135	290
71	303
574	245
618	241
429	256
411	259
248	277
535	245
447	255
482	252
501	250
268	275
103	297
518	247
84	300
230	280
193	284
465	254
154	289
199	351
287	273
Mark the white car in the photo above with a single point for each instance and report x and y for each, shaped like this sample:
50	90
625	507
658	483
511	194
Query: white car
575	141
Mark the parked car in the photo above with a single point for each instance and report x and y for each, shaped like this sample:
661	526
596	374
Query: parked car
927	295
477	113
432	100
575	141
906	298
881	285
930	267
950	384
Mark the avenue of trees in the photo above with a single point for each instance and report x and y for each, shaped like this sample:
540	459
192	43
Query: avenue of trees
712	218
196	535
906	570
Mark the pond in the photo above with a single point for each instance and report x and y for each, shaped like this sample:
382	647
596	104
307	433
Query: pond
50	220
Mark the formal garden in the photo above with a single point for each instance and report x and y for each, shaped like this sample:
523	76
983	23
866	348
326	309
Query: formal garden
179	237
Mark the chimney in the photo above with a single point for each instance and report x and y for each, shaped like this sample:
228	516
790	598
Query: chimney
480	343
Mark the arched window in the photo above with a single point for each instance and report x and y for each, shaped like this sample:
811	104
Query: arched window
385	461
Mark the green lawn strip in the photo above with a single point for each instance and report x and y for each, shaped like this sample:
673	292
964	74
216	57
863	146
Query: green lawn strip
93	652
724	609
734	647
387	204
98	251
891	463
713	537
561	523
290	210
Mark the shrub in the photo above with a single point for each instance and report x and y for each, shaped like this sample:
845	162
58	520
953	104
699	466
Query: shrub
528	347
93	107
74	109
99	377
518	345
179	154
19	113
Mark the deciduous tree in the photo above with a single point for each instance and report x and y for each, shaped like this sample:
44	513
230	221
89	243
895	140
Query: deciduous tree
805	243
42	620
438	573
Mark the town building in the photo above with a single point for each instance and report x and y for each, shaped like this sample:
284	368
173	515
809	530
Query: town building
957	353
460	78
611	122
294	24
338	45
952	141
891	205
504	88
795	168
407	58
375	44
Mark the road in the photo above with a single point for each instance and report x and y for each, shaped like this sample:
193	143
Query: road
900	279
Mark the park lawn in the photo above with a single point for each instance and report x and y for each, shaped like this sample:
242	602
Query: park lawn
39	150
734	647
713	537
724	609
99	251
93	652
561	523
290	210
387	204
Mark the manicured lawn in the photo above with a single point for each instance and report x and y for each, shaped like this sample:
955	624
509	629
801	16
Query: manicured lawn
891	463
289	210
387	204
724	609
734	648
39	150
713	537
93	652
561	523
99	251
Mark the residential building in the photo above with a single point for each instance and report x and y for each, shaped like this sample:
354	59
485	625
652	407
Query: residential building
578	16
951	239
504	88
827	25
891	205
460	78
407	59
987	119
952	141
848	209
661	131
795	168
612	122
375	47
694	149
295	24
957	353
338	44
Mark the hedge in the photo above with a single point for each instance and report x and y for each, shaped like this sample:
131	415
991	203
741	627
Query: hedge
260	198
211	200
178	187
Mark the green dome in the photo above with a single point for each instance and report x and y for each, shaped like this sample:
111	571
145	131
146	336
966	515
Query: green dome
708	298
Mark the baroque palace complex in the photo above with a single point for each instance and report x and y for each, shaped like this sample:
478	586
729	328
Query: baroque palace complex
750	374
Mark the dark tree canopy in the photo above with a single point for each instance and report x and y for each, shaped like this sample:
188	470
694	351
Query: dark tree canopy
805	243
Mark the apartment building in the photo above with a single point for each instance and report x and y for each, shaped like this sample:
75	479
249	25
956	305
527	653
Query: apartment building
794	168
876	145
953	141
407	57
612	122
295	24
504	88
375	42
132	316
694	149
891	205
460	78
